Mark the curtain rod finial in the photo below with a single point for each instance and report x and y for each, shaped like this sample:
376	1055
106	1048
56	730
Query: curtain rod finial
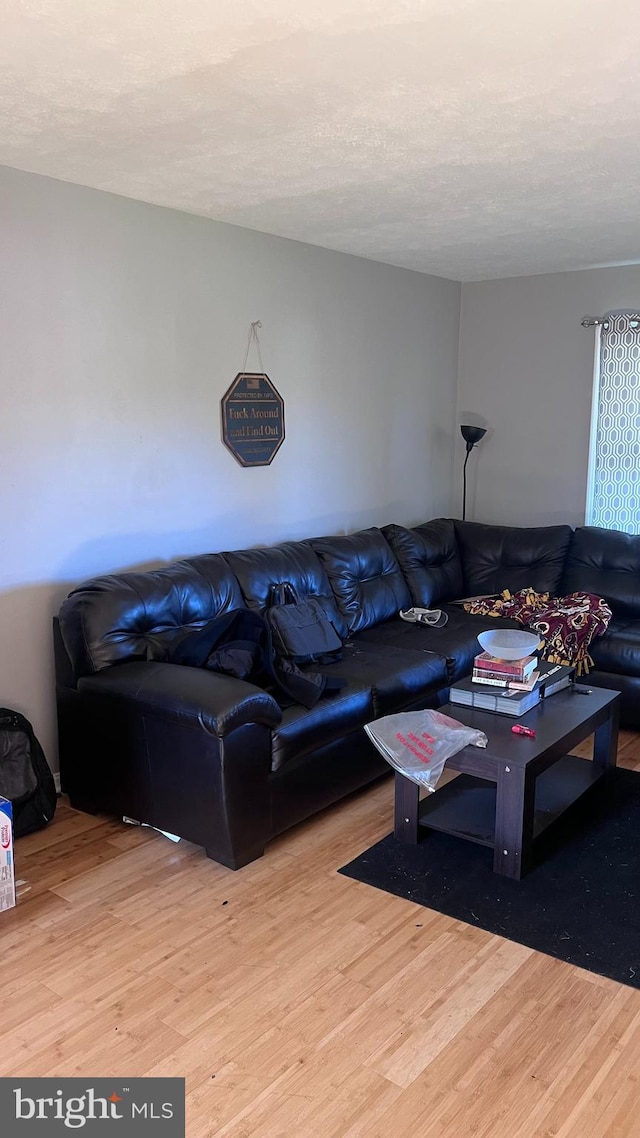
595	322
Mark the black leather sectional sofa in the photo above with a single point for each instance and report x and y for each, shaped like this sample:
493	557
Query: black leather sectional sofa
216	759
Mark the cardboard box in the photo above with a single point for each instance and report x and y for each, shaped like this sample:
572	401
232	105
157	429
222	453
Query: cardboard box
7	875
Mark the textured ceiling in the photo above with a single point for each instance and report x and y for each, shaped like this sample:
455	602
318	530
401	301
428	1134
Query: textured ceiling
466	138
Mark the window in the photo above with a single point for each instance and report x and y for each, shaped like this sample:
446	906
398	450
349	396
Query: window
613	499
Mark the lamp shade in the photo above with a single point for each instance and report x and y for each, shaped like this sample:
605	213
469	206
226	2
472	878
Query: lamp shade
472	435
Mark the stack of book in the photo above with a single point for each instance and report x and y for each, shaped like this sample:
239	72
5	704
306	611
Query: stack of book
513	688
521	674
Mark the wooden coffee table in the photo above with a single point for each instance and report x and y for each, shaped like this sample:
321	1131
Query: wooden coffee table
508	794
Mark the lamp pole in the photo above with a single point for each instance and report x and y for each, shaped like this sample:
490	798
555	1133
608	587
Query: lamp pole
471	436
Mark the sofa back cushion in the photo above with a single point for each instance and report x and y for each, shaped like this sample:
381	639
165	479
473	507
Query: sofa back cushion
365	577
512	557
296	561
135	616
607	563
429	558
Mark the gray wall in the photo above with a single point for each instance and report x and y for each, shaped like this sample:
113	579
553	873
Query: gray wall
121	327
526	369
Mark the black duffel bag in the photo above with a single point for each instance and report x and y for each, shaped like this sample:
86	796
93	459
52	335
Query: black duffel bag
25	777
301	630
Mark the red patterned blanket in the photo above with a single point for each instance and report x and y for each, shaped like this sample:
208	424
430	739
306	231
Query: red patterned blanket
566	624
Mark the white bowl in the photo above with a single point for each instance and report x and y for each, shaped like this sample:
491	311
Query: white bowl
509	643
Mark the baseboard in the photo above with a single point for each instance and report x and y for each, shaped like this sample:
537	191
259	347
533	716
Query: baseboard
56	779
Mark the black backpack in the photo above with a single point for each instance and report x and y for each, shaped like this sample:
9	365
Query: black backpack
25	777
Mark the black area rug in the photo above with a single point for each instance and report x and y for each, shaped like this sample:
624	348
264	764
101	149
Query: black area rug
580	902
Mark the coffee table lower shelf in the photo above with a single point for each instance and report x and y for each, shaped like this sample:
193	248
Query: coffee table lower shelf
466	806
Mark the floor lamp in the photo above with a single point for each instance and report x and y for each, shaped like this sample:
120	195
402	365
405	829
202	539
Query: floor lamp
471	436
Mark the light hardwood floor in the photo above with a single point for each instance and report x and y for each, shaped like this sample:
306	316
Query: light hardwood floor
297	1002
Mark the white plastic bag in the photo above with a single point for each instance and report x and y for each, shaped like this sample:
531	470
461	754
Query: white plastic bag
418	743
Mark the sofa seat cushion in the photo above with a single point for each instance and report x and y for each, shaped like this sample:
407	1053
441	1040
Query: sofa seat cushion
399	677
457	642
304	730
618	651
381	679
629	688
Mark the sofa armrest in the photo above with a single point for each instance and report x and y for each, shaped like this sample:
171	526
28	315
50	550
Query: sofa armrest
219	704
184	749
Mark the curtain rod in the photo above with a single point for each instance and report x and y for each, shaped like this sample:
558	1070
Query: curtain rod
603	321
594	321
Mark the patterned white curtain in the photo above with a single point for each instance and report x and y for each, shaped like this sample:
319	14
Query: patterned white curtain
614	478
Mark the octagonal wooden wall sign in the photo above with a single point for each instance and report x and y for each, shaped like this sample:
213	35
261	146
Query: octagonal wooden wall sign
252	419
